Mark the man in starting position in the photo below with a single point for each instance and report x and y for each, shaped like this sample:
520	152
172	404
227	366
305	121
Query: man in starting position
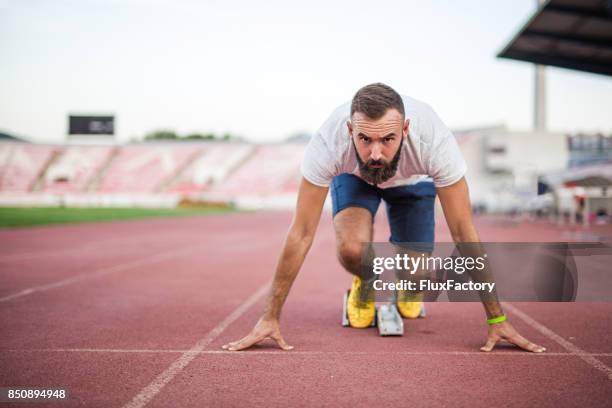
379	146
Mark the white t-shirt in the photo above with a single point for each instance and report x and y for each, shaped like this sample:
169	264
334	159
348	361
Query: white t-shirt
430	150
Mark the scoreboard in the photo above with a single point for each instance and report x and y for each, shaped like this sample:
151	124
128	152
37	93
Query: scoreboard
91	125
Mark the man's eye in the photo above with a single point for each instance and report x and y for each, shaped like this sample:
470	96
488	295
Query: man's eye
365	139
388	139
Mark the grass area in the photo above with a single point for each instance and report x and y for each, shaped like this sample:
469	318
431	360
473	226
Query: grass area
25	217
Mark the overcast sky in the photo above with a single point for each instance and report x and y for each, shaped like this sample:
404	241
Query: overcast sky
266	71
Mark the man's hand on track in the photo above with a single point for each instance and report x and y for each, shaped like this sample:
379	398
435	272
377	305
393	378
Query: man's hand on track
505	331
264	329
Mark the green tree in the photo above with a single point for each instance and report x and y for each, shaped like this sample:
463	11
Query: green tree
161	135
200	136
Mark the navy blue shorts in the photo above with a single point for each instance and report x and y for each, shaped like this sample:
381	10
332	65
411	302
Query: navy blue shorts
410	209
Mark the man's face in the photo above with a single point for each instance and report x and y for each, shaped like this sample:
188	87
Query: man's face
378	144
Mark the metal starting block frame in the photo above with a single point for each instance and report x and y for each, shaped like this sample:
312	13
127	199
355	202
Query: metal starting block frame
389	320
387	317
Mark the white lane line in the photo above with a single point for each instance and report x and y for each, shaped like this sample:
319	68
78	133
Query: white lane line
151	390
569	346
134	239
313	353
104	271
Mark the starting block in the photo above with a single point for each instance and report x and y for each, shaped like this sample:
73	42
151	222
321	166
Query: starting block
387	318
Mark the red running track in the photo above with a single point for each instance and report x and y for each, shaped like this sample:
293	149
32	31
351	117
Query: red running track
134	314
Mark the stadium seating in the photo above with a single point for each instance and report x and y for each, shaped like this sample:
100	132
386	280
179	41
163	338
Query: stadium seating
146	167
76	168
267	171
95	175
211	167
22	165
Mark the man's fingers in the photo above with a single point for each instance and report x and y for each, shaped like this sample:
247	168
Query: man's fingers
281	342
228	345
244	343
526	344
535	348
233	343
251	339
491	341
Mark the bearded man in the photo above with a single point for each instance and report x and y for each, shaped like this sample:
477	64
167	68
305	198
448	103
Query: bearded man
379	146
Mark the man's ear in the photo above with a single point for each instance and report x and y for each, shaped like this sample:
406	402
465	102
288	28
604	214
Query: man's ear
350	128
405	129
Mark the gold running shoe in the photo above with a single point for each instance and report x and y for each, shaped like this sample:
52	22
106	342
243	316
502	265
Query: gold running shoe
409	303
361	307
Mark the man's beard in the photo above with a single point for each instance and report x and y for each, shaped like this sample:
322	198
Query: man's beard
377	176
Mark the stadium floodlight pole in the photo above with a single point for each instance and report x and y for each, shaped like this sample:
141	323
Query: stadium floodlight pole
539	100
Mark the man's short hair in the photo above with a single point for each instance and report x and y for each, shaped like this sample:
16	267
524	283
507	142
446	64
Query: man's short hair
375	99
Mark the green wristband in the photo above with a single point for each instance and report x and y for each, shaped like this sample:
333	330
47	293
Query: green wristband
497	319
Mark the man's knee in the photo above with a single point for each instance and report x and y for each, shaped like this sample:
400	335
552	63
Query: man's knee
349	254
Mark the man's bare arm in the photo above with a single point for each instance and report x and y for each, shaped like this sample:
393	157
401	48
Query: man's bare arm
455	202
297	243
457	208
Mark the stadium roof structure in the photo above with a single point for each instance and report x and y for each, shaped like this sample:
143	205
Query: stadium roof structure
6	137
574	34
598	175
